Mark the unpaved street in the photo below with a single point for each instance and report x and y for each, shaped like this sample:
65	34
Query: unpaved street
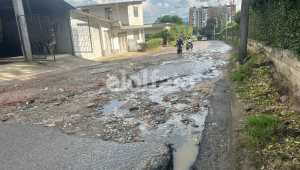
147	112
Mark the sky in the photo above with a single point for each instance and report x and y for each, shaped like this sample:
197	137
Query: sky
157	8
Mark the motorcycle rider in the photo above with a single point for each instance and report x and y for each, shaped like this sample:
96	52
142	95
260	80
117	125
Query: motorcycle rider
180	41
190	41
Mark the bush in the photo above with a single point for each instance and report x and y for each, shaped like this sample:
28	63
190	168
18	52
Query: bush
149	36
151	44
276	21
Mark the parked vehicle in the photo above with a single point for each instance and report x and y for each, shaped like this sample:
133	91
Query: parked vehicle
179	49
204	38
189	46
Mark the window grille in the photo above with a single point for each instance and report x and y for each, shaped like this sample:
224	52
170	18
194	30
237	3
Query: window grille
136	11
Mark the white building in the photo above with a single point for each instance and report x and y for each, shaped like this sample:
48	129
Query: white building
121	27
205	16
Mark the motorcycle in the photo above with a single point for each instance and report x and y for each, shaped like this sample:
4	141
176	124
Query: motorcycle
189	46
179	49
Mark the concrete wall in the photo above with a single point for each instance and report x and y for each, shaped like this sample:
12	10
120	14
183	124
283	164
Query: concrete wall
63	45
101	45
135	20
284	60
100	11
131	36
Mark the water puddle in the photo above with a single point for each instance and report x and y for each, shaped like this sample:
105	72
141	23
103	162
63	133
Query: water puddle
113	108
185	156
183	128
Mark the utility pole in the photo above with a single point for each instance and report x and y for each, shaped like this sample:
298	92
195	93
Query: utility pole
232	21
226	22
214	31
23	31
244	32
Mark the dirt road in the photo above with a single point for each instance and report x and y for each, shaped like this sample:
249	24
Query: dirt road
97	117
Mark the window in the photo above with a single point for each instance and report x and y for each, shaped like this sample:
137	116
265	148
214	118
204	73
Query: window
136	11
142	34
86	10
136	35
108	13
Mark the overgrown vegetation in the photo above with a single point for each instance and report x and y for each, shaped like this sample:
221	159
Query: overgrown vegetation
171	35
234	56
151	44
271	132
236	31
276	21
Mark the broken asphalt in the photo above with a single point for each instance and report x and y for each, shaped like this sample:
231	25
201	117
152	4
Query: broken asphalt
89	117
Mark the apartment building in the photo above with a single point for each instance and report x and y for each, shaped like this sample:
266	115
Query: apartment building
199	16
194	17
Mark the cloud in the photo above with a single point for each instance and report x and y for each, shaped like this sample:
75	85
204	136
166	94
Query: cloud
159	5
156	8
166	5
148	7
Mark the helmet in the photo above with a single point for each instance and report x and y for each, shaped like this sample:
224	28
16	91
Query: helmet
180	38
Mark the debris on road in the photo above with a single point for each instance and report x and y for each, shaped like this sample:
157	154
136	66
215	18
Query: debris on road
5	118
137	139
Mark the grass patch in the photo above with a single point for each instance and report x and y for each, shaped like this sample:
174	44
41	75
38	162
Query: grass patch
239	76
234	57
265	136
246	97
153	50
260	129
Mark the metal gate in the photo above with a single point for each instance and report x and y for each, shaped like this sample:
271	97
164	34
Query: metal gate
42	47
81	35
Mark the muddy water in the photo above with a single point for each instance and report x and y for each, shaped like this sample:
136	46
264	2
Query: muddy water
185	155
177	76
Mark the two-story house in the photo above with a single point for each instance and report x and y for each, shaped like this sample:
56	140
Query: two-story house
121	26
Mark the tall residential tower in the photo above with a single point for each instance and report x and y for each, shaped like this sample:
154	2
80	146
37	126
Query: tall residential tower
199	16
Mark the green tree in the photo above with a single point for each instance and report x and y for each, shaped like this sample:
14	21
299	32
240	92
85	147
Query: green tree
208	30
209	33
175	19
196	30
237	17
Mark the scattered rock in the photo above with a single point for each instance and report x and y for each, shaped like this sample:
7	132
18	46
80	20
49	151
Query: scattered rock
194	125
247	108
137	139
57	103
31	101
284	99
129	116
133	109
89	105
